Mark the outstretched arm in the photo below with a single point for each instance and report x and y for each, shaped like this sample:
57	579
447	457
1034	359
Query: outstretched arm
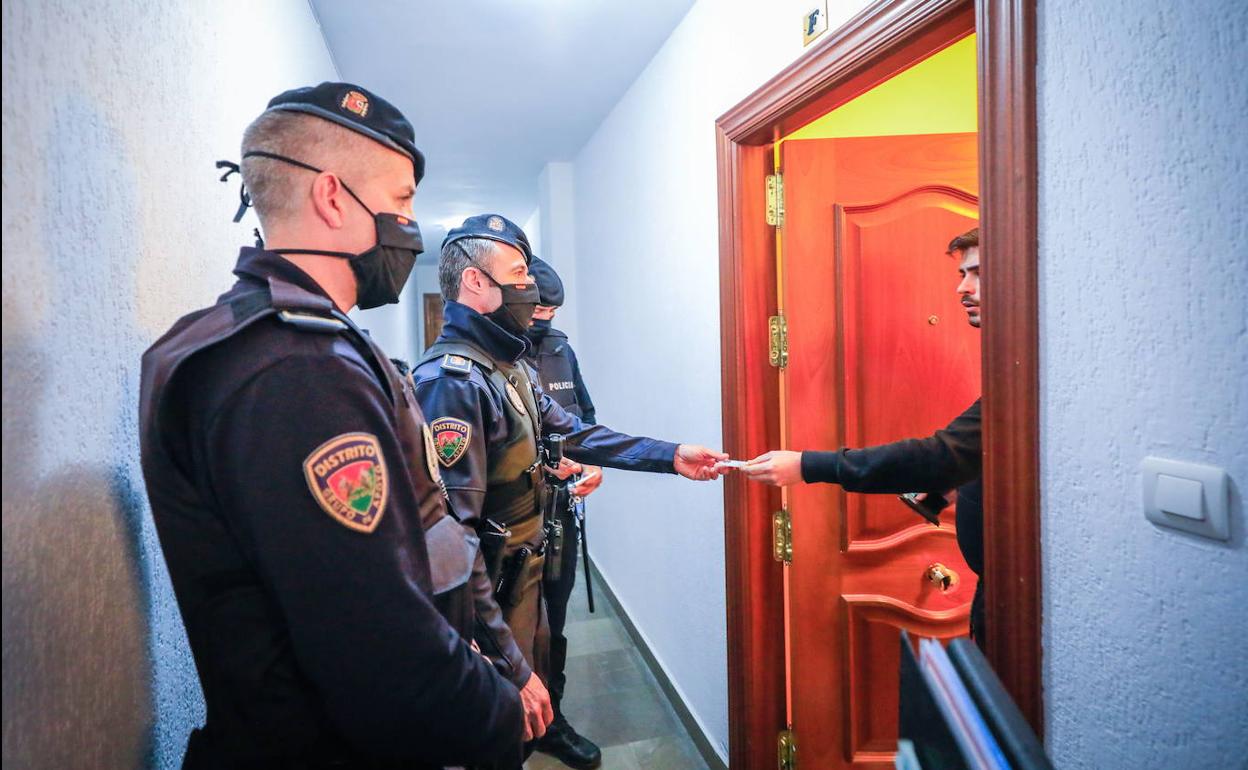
599	445
948	458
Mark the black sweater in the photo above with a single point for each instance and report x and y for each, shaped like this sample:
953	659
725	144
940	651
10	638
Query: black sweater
951	457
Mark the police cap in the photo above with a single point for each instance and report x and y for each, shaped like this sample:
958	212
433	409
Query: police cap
549	285
360	110
494	227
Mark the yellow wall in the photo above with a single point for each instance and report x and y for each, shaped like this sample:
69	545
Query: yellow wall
935	96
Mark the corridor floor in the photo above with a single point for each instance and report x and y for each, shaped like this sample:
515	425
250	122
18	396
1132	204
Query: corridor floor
613	699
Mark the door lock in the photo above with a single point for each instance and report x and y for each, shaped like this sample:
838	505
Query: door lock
941	576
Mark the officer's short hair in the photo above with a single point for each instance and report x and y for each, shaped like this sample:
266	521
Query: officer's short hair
457	256
277	188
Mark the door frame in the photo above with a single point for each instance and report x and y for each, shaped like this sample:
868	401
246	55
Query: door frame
883	39
432	307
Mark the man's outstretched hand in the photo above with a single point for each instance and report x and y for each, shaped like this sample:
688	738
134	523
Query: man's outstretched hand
697	462
780	468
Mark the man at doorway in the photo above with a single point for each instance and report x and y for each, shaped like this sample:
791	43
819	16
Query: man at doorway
951	457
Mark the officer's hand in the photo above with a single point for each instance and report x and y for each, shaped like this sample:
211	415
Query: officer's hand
697	462
537	711
780	468
566	468
591	481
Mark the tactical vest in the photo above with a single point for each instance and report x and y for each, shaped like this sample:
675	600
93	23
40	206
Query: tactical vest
554	367
514	481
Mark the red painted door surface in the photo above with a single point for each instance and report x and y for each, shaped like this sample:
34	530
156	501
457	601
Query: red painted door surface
880	350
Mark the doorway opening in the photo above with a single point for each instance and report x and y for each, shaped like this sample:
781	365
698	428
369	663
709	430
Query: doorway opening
841	327
878	350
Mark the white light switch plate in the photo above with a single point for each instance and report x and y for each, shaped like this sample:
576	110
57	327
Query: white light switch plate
1186	496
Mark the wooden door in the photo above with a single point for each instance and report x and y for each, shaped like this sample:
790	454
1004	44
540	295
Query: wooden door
880	350
432	318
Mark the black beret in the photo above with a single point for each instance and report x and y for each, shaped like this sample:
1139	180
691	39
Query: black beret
361	111
494	227
549	284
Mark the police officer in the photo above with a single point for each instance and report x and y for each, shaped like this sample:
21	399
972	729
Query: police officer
559	375
549	350
488	417
952	457
293	481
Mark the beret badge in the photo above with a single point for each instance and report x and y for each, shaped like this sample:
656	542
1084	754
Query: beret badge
356	102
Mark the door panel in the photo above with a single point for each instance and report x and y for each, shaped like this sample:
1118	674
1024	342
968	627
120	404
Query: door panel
898	346
879	351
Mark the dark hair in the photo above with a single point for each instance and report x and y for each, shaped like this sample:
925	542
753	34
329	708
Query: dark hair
967	240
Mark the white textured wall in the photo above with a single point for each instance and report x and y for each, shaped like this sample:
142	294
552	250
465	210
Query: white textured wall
556	242
396	328
114	225
1144	334
647	261
533	229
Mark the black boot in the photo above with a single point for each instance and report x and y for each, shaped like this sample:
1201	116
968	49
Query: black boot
566	745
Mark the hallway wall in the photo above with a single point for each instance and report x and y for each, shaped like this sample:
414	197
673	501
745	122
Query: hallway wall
397	327
114	225
647	261
556	237
1144	351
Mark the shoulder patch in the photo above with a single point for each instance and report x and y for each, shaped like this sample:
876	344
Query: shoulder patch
456	364
347	476
450	438
310	322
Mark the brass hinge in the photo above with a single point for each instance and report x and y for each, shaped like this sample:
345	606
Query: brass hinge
775	200
786	750
778	341
782	536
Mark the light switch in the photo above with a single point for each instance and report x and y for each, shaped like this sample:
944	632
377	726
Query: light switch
1186	496
1180	497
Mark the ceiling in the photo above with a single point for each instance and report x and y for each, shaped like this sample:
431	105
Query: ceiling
494	88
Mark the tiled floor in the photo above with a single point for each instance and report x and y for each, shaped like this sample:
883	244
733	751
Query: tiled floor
614	700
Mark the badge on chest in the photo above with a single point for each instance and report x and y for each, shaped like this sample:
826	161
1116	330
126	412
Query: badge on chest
431	455
513	396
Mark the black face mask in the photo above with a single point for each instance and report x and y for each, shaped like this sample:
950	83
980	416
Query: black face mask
539	329
519	303
381	271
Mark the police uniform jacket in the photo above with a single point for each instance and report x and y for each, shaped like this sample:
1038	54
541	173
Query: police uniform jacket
559	373
459	397
297	507
950	458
